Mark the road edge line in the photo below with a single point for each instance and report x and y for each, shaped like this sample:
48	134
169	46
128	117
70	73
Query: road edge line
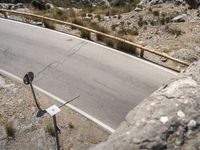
98	122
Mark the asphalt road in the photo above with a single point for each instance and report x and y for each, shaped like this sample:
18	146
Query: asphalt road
110	83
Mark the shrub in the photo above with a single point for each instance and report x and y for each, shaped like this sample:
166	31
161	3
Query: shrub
71	13
140	22
156	13
109	42
174	30
122	32
125	47
50	130
10	130
85	34
78	21
133	32
113	27
49	25
58	14
71	126
38	4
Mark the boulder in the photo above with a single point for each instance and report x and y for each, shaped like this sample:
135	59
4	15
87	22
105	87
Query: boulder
168	119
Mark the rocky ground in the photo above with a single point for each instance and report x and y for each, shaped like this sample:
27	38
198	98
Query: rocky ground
21	129
166	28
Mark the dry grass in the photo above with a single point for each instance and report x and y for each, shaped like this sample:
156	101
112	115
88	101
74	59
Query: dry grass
85	34
49	25
50	130
10	130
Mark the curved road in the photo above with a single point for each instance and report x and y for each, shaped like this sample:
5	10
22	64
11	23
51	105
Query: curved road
110	83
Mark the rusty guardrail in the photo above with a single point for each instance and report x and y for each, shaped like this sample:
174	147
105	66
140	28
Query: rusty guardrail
142	49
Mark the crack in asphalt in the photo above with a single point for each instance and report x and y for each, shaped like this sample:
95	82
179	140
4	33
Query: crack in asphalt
72	51
104	85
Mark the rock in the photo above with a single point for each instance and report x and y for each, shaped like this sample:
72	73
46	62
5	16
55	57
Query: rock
154	2
179	18
41	141
3	138
11	6
161	121
164	119
192	124
2	82
138	9
49	6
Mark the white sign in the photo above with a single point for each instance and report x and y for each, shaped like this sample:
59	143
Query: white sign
52	110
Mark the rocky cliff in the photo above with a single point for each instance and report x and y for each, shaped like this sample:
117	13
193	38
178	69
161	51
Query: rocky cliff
168	119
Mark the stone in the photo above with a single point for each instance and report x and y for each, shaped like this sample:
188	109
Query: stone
192	124
164	125
49	6
2	82
164	119
179	18
138	9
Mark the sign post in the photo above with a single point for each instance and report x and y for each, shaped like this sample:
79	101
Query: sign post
28	78
53	110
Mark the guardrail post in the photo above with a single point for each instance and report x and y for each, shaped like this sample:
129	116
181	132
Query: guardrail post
5	15
141	53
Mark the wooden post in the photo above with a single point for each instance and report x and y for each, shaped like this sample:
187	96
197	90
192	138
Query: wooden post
141	53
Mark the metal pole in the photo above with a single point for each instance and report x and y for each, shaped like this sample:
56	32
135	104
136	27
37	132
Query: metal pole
38	106
56	132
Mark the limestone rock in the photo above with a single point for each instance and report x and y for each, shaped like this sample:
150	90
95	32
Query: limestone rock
3	138
168	119
2	83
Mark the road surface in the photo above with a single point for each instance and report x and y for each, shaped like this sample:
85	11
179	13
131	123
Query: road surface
109	83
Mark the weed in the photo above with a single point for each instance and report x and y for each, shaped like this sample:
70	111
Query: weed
50	130
174	30
133	31
71	126
140	22
10	130
48	24
85	34
156	13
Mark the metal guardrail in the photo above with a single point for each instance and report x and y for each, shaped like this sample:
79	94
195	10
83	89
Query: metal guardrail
143	49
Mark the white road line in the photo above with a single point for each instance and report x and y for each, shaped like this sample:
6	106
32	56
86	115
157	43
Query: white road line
114	50
98	122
